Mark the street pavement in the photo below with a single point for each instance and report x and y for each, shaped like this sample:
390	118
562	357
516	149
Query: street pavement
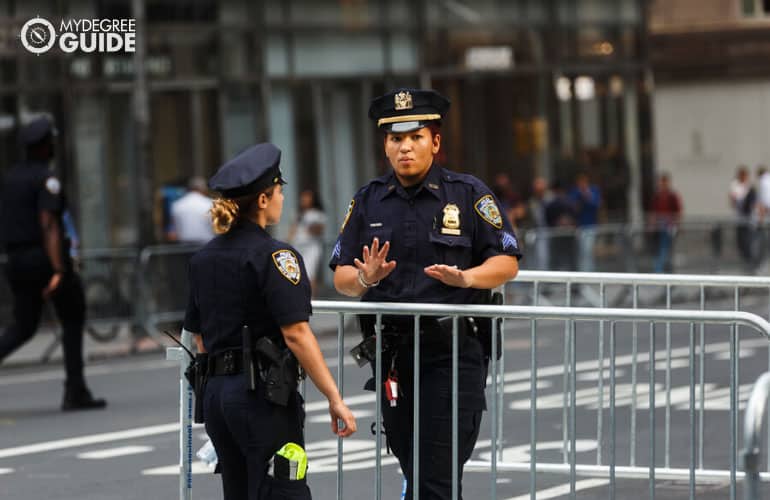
129	451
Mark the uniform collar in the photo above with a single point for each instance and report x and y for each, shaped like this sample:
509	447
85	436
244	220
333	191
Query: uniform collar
251	227
431	184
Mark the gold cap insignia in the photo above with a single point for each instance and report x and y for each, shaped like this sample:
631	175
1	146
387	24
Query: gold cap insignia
403	100
451	220
286	262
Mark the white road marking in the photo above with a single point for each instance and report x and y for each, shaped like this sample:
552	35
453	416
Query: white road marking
323	418
198	467
6	471
106	437
564	489
115	452
106	369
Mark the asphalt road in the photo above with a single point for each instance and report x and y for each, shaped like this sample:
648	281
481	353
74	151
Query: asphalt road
130	450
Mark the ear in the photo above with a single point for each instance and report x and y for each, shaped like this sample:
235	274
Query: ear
262	201
436	143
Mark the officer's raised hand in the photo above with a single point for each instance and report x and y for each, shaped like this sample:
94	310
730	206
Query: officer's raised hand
375	267
449	275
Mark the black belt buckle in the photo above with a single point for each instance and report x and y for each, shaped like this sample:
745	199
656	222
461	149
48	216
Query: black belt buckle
228	363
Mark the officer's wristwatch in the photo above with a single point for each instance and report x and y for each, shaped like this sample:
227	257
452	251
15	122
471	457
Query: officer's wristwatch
364	283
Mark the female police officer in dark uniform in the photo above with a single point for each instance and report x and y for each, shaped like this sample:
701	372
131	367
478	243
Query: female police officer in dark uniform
245	277
449	244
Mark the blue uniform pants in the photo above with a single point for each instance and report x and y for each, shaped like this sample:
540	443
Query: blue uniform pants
435	481
247	430
28	272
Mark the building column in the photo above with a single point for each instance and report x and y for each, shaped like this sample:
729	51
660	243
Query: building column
631	142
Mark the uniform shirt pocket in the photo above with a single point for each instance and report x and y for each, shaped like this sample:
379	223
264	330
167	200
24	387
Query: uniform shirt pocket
383	234
452	250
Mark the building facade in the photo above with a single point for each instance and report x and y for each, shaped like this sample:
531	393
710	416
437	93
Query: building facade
712	94
538	88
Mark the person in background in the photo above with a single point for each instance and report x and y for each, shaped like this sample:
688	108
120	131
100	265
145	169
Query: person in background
40	266
742	198
664	218
538	202
586	199
190	214
562	221
307	234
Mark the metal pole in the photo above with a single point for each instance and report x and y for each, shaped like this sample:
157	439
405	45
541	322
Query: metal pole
493	485
652	411
600	410
613	426
692	410
752	429
702	377
572	411
634	339
667	444
416	415
455	382
340	381
733	409
565	380
378	418
533	402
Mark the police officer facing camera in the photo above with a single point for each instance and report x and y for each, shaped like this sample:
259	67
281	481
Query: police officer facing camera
422	233
39	265
245	278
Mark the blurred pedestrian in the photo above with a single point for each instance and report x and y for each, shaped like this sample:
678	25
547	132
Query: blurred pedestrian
614	178
190	214
537	220
742	198
307	234
586	199
562	221
165	196
39	265
245	278
664	218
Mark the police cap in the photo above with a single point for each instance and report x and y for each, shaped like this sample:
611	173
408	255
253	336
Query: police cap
251	172
404	110
36	130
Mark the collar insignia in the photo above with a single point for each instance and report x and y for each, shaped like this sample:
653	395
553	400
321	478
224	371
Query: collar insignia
451	220
433	186
286	262
487	209
403	100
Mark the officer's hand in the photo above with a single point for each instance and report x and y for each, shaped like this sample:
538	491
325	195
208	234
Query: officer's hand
338	410
374	265
52	285
449	275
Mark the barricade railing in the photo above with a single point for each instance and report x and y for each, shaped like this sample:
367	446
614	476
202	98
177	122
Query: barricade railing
185	414
536	315
752	428
594	289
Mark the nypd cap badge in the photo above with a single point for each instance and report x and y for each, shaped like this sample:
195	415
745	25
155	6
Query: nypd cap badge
286	262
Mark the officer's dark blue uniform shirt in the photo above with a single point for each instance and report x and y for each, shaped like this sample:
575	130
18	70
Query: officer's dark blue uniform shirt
27	189
450	219
245	277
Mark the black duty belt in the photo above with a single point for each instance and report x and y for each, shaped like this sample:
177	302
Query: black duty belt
228	362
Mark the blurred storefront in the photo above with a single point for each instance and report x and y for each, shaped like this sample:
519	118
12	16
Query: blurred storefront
711	61
539	87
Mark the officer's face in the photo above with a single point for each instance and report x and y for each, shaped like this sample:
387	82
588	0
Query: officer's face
411	154
274	206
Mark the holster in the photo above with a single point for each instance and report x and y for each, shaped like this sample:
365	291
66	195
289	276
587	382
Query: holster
197	375
278	369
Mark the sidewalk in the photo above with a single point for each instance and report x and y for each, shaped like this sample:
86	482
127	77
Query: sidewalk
44	343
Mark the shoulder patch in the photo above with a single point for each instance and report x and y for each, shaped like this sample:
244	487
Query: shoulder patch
53	185
288	265
487	209
508	241
347	215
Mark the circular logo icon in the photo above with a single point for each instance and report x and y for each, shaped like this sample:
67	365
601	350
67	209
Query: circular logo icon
38	35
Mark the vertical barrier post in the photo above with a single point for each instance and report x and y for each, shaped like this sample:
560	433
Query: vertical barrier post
416	415
667	444
495	422
533	401
185	416
652	411
692	410
634	341
572	409
565	380
378	419
702	379
600	410
613	426
340	382
455	391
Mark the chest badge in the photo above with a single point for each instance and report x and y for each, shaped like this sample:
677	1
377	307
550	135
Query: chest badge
487	209
286	262
451	220
402	100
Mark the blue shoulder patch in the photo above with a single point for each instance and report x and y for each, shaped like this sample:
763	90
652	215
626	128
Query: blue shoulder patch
337	250
508	241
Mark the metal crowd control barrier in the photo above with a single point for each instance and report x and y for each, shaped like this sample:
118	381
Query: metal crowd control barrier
755	411
720	287
534	314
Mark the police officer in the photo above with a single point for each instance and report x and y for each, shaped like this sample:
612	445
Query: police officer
447	243
245	277
39	264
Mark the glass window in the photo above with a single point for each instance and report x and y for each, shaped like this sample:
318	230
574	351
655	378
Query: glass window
165	11
182	52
